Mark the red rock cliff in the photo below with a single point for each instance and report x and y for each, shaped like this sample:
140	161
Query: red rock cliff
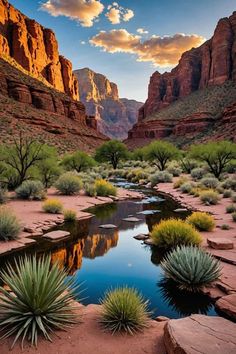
212	63
35	48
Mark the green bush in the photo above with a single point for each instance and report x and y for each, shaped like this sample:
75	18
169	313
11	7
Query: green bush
53	206
234	216
3	196
227	193
68	184
9	225
230	209
233	198
186	187
90	189
124	309
69	215
160	177
39	301
229	183
209	197
201	221
198	173
104	188
191	268
33	190
173	232
209	182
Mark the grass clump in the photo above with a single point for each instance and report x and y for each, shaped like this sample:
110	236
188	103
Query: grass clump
9	225
198	173
201	221
210	197
161	177
227	193
230	209
124	310
53	206
69	215
186	187
39	301
209	182
68	184
233	198
104	188
191	268
173	232
225	227
33	190
3	196
234	216
180	181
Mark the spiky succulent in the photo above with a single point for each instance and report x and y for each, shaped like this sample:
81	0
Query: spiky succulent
191	268
124	309
39	300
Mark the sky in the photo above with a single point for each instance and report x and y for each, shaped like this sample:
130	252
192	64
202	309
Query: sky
127	40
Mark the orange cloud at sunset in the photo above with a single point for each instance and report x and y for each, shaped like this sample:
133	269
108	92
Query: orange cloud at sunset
161	51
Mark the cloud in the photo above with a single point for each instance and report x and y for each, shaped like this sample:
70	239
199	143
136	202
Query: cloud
83	11
117	13
161	51
142	31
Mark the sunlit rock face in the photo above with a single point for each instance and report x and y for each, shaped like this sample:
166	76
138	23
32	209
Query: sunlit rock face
114	116
35	48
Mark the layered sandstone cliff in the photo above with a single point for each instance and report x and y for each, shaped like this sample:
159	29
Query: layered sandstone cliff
192	101
114	116
35	49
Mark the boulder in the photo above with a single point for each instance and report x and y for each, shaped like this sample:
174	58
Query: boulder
227	306
220	243
200	334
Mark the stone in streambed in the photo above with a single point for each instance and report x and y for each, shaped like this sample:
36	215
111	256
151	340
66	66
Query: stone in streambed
131	219
108	226
141	237
180	210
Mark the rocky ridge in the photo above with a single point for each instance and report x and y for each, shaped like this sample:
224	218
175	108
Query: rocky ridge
114	115
35	49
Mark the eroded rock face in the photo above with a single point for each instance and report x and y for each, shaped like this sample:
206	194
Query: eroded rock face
211	64
35	48
114	116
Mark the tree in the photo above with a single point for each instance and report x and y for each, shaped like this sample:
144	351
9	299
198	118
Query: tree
112	152
48	171
78	161
161	152
217	155
21	156
140	154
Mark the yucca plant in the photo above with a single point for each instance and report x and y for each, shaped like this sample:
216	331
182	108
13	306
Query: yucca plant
39	300
191	268
124	309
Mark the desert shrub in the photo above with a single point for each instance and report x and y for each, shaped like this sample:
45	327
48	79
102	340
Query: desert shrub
136	175
90	189
186	187
229	183
124	309
160	177
9	225
173	232
104	188
234	216
209	182
39	301
201	221
209	197
188	165
69	215
68	184
231	168
180	181
220	189
230	209
233	198
3	195
227	193
191	268
174	169
53	206
225	227
198	173
33	190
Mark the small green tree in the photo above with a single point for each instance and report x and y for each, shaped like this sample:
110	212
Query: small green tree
112	152
21	156
140	154
49	171
78	161
161	152
217	155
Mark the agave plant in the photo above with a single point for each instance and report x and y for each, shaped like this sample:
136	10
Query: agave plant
39	300
124	309
191	268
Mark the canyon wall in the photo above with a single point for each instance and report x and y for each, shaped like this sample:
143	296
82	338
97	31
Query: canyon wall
35	49
114	116
212	63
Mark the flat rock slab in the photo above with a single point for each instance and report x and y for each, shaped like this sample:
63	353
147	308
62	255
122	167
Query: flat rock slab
200	334
227	306
108	226
141	237
220	243
56	235
131	219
